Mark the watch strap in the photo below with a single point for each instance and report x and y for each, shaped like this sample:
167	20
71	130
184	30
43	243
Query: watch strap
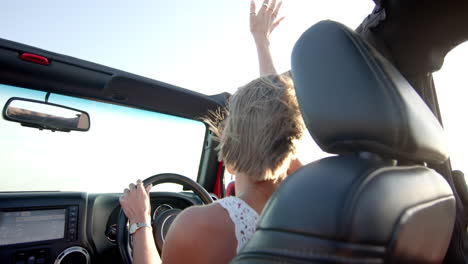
135	226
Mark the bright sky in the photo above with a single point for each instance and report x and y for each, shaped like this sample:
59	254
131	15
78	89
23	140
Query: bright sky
202	45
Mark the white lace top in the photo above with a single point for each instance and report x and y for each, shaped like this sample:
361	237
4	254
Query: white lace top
243	216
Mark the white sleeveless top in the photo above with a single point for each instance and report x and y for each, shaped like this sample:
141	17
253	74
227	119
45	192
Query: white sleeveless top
244	219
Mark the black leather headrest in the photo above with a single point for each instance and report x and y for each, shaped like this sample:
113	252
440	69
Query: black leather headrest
353	100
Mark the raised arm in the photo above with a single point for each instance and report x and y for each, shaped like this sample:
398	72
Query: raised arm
261	26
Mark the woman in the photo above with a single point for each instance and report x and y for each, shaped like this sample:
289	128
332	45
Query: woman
256	143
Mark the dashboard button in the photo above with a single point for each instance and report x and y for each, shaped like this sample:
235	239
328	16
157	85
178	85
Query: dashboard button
31	260
40	261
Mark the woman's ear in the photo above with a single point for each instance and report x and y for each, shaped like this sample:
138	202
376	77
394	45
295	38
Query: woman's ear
230	169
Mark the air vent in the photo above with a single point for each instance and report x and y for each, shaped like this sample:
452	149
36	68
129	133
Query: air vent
75	255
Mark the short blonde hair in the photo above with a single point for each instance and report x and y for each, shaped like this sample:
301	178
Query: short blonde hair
257	131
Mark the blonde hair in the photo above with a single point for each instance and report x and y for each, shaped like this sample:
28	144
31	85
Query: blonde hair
258	129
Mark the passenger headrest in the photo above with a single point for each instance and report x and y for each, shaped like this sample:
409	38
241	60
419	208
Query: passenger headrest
353	100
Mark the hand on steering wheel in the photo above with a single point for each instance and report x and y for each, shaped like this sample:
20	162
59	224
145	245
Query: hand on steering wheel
136	203
162	222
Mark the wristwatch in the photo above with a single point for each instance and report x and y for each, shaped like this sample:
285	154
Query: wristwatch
135	226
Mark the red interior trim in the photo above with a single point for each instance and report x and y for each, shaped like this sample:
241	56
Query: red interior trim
34	58
218	189
231	189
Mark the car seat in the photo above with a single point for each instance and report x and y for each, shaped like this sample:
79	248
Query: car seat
376	201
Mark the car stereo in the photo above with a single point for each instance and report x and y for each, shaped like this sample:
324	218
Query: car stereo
33	225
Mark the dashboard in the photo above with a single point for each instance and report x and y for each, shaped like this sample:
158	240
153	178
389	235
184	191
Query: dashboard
68	227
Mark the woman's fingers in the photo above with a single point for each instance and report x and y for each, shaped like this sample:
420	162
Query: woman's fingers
148	188
265	4
132	187
277	8
269	10
135	202
272	6
263	22
276	23
252	14
124	195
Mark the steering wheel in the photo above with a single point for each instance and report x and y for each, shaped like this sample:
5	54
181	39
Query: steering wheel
161	222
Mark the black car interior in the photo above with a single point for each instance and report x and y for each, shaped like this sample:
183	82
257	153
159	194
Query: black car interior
388	196
386	205
83	226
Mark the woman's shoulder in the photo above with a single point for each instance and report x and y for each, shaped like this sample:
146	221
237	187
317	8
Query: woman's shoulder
197	231
211	216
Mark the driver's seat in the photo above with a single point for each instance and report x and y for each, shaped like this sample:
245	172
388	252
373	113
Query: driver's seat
376	201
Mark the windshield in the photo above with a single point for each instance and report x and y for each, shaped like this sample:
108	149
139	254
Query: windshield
122	145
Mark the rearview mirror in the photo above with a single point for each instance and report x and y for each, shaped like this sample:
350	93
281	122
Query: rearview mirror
37	114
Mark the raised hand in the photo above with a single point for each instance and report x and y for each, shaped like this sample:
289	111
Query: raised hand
261	26
265	21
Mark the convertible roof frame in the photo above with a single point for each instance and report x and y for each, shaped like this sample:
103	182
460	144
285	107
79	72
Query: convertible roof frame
71	76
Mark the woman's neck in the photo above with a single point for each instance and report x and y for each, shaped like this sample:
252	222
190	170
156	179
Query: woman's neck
255	194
